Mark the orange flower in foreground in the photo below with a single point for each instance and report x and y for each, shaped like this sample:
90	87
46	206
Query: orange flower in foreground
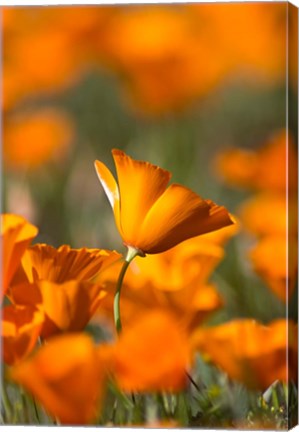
151	355
16	235
275	260
33	139
150	216
67	377
251	352
21	327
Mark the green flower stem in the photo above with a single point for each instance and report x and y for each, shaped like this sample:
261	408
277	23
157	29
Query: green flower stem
131	254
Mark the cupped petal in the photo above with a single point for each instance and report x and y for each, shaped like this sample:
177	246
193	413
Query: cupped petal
177	215
69	306
140	186
111	190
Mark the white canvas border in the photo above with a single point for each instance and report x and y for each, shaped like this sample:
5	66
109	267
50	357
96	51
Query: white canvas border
11	3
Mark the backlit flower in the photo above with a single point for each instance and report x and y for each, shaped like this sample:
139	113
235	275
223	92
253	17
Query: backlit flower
67	377
21	327
16	235
250	352
150	216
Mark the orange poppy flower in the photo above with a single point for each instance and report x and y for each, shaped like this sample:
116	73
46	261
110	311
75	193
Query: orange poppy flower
21	327
41	61
173	61
66	376
174	281
267	205
251	352
271	168
16	235
275	260
44	262
191	261
246	34
23	134
67	306
150	217
59	282
151	355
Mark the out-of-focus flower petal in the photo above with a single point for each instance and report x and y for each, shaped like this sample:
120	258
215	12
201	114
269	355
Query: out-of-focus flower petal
21	327
16	235
251	352
274	258
151	355
256	214
66	376
271	168
24	133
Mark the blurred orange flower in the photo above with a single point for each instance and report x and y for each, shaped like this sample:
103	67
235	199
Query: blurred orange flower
265	169
173	60
59	282
21	327
190	261
250	352
150	217
257	213
47	49
35	138
66	376
275	259
151	355
16	235
175	281
250	35
183	52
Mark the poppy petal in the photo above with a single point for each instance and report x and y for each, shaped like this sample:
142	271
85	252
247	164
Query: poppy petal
140	186
111	189
177	215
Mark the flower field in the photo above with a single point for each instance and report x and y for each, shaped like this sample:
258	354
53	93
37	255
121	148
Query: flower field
149	224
